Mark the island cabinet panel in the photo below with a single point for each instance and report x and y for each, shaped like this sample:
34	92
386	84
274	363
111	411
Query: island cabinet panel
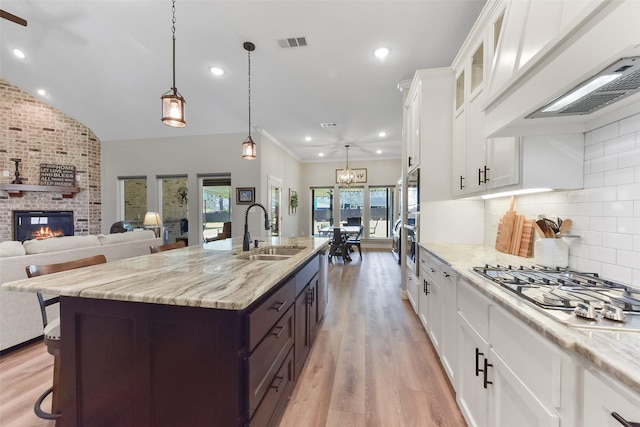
136	364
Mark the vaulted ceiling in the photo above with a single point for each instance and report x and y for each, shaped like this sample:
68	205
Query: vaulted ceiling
106	64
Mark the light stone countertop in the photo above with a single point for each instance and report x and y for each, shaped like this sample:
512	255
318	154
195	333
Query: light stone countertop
617	353
213	276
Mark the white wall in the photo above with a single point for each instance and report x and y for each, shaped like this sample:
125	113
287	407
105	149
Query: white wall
379	173
606	213
278	163
188	155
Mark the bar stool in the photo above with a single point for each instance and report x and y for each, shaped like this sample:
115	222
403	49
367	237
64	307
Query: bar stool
51	330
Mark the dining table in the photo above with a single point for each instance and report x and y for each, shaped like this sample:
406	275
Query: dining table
349	230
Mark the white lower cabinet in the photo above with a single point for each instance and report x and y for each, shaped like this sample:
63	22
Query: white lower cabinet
412	289
602	397
508	375
473	398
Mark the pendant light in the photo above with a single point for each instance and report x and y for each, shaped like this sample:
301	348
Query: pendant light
173	104
248	146
346	177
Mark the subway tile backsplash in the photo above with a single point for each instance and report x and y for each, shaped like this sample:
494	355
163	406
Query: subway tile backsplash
605	213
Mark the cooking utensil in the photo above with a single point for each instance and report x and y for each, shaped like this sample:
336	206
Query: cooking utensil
552	226
565	226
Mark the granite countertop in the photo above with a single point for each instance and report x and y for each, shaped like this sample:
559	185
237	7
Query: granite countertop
616	353
215	275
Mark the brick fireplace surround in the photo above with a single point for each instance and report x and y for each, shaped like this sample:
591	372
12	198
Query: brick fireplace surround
37	133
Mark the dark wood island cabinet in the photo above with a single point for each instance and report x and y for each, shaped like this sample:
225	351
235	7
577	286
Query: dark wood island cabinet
148	363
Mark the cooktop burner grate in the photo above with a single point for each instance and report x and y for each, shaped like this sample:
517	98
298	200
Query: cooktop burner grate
596	301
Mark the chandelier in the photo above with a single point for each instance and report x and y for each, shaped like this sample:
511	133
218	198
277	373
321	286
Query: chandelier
173	104
346	177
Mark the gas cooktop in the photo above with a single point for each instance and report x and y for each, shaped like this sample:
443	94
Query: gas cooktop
576	299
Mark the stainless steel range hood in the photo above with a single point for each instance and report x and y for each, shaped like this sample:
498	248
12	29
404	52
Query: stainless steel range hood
614	83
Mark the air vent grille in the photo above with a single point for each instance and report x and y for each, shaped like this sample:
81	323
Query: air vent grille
328	125
288	42
627	84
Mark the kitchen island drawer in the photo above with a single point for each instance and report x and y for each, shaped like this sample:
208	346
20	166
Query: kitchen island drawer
275	400
267	358
263	317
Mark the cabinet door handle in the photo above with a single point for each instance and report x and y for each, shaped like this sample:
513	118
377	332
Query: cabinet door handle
277	386
280	329
624	422
479	176
280	306
426	287
478	354
461	182
486	174
487	365
409	161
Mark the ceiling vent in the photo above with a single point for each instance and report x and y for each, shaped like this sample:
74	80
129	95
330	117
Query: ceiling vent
612	84
292	42
328	125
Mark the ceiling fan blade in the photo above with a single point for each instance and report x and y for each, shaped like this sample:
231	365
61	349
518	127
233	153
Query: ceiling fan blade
13	18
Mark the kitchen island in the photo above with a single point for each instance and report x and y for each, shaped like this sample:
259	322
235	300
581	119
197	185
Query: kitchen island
204	336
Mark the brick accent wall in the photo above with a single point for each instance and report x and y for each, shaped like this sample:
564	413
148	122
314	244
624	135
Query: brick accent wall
38	133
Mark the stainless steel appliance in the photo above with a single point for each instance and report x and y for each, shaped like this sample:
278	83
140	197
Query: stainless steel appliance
581	300
396	248
412	228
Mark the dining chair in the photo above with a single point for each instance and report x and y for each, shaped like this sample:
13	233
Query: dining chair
51	330
338	246
355	241
372	230
167	247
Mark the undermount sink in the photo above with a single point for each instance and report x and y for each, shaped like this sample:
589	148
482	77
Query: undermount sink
268	257
272	253
280	250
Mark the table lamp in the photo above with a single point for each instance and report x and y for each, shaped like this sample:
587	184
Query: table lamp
152	221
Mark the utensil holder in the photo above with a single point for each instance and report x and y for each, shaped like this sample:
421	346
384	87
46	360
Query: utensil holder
551	252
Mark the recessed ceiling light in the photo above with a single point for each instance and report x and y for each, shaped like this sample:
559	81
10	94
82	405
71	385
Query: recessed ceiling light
19	53
216	71
320	154
378	151
381	52
382	134
307	138
42	92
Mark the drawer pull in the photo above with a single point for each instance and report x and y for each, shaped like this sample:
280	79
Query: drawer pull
478	354
280	306
277	386
444	273
277	334
624	422
487	365
431	269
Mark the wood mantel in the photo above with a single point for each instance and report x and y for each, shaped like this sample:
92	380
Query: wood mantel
16	190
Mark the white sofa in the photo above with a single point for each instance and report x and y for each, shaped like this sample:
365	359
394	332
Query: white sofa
20	319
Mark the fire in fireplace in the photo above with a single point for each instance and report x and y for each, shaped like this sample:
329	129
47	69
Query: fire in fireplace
29	225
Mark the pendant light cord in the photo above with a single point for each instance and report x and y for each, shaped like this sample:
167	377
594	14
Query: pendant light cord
173	31
249	59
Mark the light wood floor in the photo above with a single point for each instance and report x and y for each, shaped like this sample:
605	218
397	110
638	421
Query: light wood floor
371	365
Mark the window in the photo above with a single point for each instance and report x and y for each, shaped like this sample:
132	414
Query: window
351	206
216	205
174	202
381	211
322	211
133	200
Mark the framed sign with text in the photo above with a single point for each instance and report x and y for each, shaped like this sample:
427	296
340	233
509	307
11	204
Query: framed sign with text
57	175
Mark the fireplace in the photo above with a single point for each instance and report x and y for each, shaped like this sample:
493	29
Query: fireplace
29	225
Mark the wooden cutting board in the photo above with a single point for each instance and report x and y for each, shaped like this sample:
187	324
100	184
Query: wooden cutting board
505	229
526	240
516	237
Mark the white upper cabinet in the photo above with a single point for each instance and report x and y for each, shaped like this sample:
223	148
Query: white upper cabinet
414	108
